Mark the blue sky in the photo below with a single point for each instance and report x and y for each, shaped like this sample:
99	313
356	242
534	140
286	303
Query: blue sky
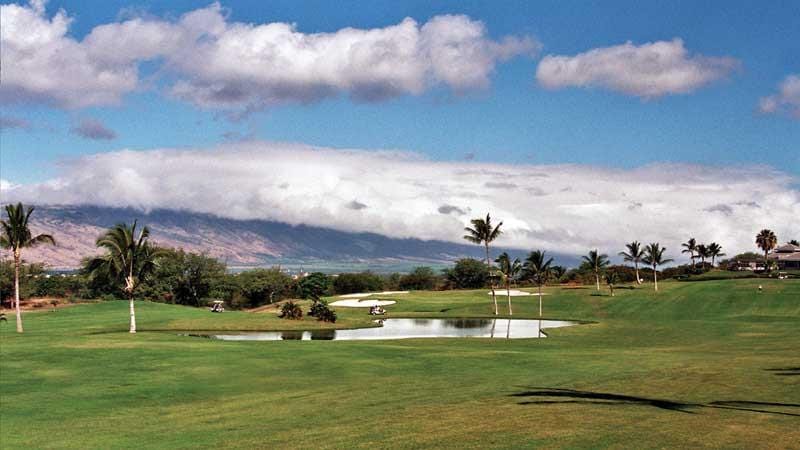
579	124
513	120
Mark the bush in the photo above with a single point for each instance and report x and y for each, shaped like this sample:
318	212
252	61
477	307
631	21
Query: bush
291	310
467	273
420	279
314	286
348	283
322	312
263	286
28	274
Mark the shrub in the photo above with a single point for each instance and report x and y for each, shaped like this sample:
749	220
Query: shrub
468	273
322	312
291	310
264	286
314	286
420	279
318	308
348	283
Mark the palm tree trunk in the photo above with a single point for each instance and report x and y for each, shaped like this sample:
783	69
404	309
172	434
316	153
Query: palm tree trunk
508	293
655	277
597	280
540	307
636	266
491	280
16	291
133	314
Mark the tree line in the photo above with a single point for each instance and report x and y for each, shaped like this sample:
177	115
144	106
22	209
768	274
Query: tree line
130	267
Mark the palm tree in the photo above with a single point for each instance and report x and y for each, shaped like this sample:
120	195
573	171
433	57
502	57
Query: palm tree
690	247
597	262
538	270
654	256
557	272
128	259
612	278
508	270
482	232
15	236
703	253
714	250
634	254
766	241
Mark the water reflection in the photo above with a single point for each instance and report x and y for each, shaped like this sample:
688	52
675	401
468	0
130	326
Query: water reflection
415	328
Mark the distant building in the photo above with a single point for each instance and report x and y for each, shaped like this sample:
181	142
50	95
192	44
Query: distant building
752	264
786	256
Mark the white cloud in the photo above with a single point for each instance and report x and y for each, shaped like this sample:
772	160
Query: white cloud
649	70
786	100
568	208
234	65
42	64
6	185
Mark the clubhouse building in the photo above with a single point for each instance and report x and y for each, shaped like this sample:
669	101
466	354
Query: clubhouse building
786	256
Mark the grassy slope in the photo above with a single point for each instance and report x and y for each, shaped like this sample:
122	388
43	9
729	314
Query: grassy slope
77	380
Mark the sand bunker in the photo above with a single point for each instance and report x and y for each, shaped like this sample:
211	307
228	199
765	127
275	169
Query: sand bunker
362	295
514	293
362	303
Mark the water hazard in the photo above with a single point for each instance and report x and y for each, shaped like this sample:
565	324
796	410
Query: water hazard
414	328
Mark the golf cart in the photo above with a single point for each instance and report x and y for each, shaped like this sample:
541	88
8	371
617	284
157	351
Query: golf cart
217	306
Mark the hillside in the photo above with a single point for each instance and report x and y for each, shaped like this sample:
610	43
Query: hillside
243	243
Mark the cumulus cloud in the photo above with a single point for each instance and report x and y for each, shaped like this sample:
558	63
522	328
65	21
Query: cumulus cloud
649	70
93	129
217	63
410	196
42	64
786	100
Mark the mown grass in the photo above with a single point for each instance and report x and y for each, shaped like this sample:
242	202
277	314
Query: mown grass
707	364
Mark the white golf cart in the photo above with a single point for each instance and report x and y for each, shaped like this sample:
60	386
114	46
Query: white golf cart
217	306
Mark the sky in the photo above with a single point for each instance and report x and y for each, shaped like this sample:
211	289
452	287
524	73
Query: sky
641	119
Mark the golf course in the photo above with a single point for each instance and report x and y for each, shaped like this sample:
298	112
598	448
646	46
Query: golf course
703	364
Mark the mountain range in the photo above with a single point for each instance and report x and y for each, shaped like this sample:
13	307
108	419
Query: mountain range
245	243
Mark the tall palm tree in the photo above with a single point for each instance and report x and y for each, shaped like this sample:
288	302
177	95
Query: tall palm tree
715	251
612	279
128	259
509	270
597	262
15	236
690	247
654	256
538	270
703	253
634	254
482	232
766	241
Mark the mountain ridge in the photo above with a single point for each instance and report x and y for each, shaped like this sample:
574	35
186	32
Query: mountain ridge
244	243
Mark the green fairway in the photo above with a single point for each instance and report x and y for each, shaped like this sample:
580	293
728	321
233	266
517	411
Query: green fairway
698	364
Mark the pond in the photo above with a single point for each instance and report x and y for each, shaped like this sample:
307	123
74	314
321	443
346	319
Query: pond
414	328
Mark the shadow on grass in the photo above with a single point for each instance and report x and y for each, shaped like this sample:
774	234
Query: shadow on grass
555	396
785	371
